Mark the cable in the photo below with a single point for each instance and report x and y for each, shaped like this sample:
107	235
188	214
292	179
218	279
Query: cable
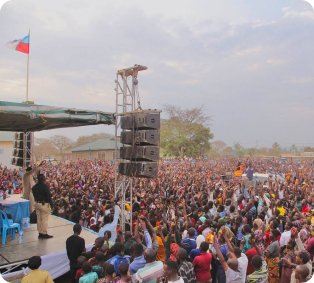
136	93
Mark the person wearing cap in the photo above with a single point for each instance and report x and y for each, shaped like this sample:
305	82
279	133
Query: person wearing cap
28	183
43	206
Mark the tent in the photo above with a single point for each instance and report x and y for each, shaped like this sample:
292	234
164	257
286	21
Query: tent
21	117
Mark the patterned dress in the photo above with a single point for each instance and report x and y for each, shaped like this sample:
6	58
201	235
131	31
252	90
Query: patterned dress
259	276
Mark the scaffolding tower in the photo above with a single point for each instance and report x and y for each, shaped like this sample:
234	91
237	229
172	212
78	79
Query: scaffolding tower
127	100
28	144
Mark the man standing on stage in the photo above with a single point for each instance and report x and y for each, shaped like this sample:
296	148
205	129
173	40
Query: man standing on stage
28	183
43	206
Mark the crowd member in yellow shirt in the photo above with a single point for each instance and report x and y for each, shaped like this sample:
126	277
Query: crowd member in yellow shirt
36	275
281	209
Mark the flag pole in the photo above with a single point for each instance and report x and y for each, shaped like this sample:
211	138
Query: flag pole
27	72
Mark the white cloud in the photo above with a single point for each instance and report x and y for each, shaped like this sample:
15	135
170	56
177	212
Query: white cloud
249	51
311	2
2	2
245	61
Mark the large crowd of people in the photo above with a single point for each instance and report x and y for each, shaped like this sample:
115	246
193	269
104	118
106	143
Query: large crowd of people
199	221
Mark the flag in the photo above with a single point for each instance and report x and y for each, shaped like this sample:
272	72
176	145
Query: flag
21	45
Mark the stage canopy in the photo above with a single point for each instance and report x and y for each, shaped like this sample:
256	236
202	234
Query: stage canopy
20	117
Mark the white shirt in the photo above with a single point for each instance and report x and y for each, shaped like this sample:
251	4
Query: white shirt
180	280
112	227
233	276
242	265
212	212
285	238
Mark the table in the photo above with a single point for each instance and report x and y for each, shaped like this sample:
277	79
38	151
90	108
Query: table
17	207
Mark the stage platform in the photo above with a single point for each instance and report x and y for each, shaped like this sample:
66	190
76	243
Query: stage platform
14	252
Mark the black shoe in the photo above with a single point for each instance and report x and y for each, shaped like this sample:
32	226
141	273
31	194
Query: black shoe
46	236
41	236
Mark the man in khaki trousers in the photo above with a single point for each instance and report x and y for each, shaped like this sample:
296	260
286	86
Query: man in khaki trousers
43	206
28	183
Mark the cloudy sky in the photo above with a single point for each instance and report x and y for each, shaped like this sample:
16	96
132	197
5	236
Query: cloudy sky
249	63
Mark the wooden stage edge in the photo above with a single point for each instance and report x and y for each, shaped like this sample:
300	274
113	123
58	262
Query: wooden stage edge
14	251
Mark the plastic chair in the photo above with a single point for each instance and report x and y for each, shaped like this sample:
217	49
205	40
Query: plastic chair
6	225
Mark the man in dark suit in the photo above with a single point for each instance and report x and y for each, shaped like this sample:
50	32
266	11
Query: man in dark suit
43	206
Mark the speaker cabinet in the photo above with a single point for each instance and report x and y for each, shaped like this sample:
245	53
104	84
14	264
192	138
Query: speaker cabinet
139	169
143	137
140	153
141	121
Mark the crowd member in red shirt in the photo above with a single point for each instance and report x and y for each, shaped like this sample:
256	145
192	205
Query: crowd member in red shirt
310	246
250	253
79	272
202	264
305	207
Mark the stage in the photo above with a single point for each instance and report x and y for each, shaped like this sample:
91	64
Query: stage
52	250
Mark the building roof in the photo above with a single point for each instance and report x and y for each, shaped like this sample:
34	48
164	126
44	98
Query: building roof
101	144
7	136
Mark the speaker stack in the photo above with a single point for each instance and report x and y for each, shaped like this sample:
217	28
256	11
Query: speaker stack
140	140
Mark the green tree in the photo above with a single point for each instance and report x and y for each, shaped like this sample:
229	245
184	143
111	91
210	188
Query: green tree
185	132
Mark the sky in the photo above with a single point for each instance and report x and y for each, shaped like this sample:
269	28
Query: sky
248	63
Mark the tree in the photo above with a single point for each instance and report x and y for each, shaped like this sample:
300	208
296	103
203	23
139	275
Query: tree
185	132
308	149
87	139
44	148
293	149
228	151
239	149
217	148
61	143
251	151
275	149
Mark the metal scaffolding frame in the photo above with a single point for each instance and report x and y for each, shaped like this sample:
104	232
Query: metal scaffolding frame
126	98
28	145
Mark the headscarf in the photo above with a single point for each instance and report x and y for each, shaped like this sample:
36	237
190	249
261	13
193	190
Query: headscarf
200	239
259	223
202	218
228	232
174	249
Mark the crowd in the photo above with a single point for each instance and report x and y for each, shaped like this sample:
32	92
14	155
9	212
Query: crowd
196	222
